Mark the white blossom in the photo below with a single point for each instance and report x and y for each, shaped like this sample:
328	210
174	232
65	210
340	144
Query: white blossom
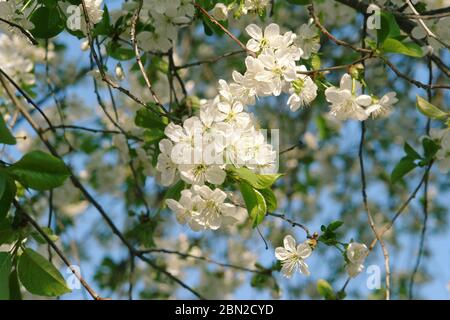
383	106
346	102
308	40
303	91
356	254
292	256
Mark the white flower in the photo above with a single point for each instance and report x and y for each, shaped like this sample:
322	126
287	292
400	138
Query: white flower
277	68
93	10
165	165
220	11
216	212
382	107
303	91
442	136
356	254
270	39
308	40
346	103
153	41
201	173
255	5
292	257
187	208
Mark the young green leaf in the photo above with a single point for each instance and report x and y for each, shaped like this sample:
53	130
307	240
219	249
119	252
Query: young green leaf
40	171
5	135
148	119
39	276
5	269
325	289
411	49
405	165
258	181
8	193
388	27
14	286
430	110
255	203
271	200
48	22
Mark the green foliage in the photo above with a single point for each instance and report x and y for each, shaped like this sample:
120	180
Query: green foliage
254	202
325	290
413	159
40	171
5	269
148	119
48	22
430	110
258	181
8	192
388	29
5	135
329	235
392	45
39	276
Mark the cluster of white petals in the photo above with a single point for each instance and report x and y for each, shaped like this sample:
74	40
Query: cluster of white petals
18	57
347	102
274	69
204	208
442	137
165	18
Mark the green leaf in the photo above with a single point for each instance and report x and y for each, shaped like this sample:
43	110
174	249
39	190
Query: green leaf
5	269
14	286
48	22
430	148
335	225
116	51
410	152
325	290
153	135
148	119
104	26
7	234
430	110
389	27
258	181
255	203
405	165
40	171
5	135
271	200
8	194
411	49
39	276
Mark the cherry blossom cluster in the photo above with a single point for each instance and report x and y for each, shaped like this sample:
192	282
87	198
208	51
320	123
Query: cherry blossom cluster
12	12
162	18
348	102
274	68
221	11
204	208
18	57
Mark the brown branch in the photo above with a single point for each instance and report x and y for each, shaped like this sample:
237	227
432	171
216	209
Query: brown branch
22	30
217	23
